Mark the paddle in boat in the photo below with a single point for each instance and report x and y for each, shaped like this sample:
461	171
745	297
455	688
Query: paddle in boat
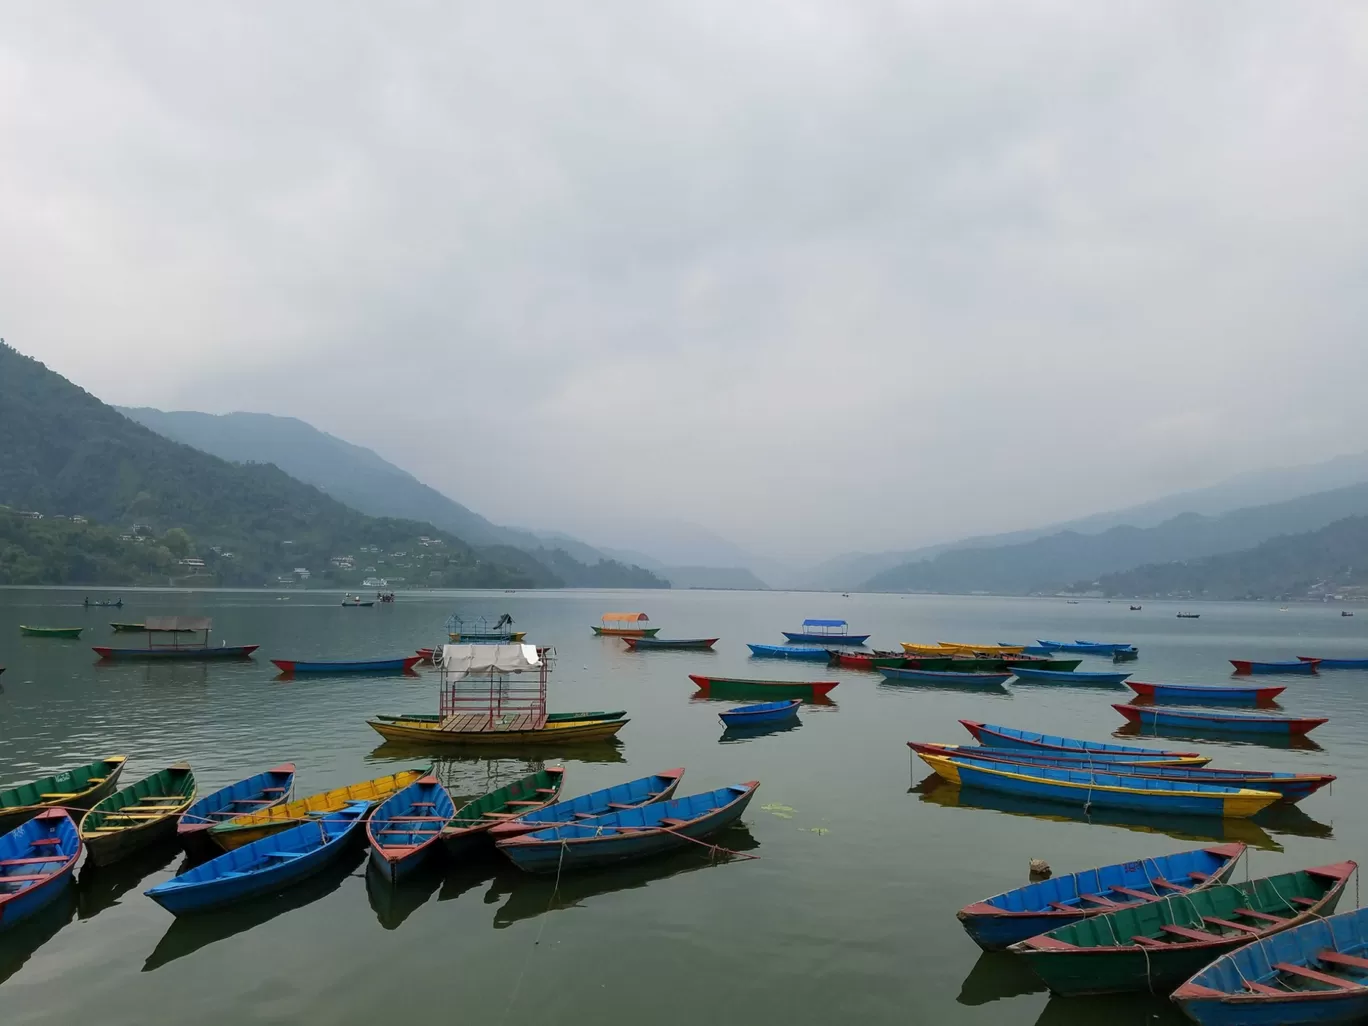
904	675
1149	718
629	834
175	626
825	633
1305	666
659	787
809	653
78	788
468	829
1290	787
403	664
625	625
1313	973
1207	694
644	644
1155	946
50	632
1068	676
1009	737
243	830
1101	788
254	794
1335	664
1036	908
139	815
405	830
266	865
741	687
37	860
761	715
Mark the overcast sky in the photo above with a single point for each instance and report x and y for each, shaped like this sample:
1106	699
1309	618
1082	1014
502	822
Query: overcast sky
814	276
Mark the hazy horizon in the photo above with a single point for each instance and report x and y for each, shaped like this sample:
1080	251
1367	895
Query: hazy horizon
815	278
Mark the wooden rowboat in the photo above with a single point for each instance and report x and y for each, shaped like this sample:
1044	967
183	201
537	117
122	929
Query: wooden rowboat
564	717
808	653
630	834
1150	717
1102	760
625	625
739	687
197	652
659	787
643	644
405	829
403	664
761	715
254	794
139	815
1207	694
1009	737
37	860
256	825
1313	973
554	732
1004	919
1028	674
826	633
899	675
1157	945
1335	664
78	788
264	866
468	829
51	632
1303	666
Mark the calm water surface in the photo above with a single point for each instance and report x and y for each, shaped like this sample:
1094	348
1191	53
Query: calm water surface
847	915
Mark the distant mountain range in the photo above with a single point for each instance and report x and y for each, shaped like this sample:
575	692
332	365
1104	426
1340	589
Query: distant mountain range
1055	561
1328	562
365	481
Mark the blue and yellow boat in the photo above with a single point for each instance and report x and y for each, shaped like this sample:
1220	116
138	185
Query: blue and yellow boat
1098	789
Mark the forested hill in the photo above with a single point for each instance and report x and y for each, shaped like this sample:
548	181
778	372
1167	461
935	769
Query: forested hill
156	507
1333	560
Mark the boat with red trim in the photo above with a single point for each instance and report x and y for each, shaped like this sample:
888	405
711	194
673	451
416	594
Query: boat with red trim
1207	694
740	687
1284	666
995	735
403	664
1227	723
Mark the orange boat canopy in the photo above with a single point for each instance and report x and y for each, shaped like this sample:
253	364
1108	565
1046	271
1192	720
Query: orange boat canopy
625	617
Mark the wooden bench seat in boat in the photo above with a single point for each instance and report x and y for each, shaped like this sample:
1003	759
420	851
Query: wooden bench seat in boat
1131	893
45	840
1159	881
525	802
285	854
1063	907
1263	988
1332	957
1199	876
1304	902
1189	934
1097	899
673	822
55	796
32	862
1263	917
546	790
24	879
1311	974
1228	925
1147	942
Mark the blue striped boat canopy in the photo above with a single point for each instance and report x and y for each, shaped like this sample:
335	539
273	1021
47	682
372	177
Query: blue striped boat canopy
825	623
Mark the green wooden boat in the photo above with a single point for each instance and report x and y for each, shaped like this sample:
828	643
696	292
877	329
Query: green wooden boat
139	815
468	829
1042	664
1153	946
141	628
51	632
73	789
740	687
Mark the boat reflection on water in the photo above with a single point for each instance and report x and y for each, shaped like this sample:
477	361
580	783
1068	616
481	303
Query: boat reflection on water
187	934
19	944
1184	828
1112	1009
530	895
609	750
100	887
392	903
469	873
997	975
1300	743
740	735
1286	818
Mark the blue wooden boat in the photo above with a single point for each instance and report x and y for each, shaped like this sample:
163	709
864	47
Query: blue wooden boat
1107	646
900	675
406	830
1304	666
401	665
264	866
196	652
1291	787
37	859
659	787
761	714
1225	722
1069	676
1050	757
1086	647
1040	650
808	653
1009	737
1208	694
1093	788
263	791
630	834
826	632
1335	664
1313	973
1037	908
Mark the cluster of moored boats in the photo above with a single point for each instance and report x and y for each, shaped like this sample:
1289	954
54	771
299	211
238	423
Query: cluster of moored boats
251	838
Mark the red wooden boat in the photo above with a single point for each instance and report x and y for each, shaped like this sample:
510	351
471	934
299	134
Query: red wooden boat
740	687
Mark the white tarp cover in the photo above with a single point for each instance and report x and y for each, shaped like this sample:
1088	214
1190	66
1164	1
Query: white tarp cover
463	660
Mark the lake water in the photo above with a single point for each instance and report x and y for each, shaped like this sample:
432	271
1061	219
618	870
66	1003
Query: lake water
847	915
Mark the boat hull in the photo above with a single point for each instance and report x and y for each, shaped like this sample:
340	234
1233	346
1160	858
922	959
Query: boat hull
1004	737
969	680
736	687
627	632
401	665
1027	673
1274	726
56	836
647	644
659	787
1071	759
122	824
809	638
223	652
405	830
1206	694
51	632
1335	664
1303	666
467	832
246	797
105	771
761	715
554	733
807	653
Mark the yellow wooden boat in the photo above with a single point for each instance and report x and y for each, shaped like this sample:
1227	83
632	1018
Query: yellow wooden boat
925	650
426	732
254	826
955	646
